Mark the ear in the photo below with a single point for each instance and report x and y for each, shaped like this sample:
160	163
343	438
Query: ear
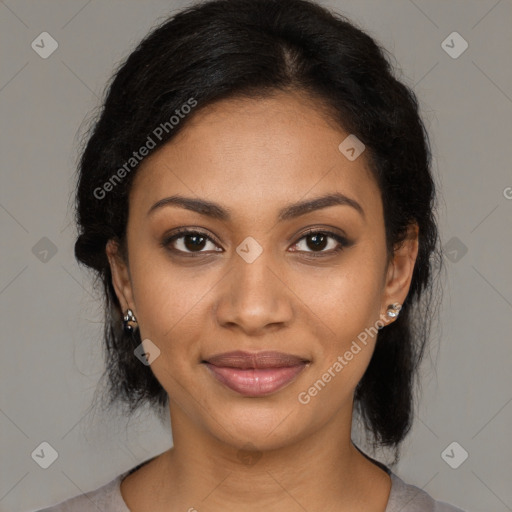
400	270
120	277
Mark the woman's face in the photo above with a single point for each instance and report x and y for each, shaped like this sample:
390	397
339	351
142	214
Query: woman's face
257	281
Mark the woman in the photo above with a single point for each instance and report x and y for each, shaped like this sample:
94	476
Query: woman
256	198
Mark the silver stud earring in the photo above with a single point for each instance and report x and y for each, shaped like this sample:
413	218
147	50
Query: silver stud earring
128	320
393	310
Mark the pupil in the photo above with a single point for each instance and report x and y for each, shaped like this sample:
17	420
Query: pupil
317	244
195	244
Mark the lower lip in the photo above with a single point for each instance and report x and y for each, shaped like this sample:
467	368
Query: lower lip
255	382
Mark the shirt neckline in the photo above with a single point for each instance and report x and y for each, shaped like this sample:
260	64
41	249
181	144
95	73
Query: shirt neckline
114	487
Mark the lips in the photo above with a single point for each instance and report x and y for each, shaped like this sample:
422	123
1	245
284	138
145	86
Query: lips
255	374
244	360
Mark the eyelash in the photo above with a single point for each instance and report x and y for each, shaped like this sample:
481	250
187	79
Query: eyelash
183	232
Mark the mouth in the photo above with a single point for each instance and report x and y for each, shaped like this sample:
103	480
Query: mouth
255	374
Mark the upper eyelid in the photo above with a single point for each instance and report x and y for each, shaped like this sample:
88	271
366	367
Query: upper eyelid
190	231
185	231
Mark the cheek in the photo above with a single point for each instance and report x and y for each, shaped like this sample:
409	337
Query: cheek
170	304
164	292
346	307
345	299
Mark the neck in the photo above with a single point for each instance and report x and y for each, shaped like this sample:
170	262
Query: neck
321	469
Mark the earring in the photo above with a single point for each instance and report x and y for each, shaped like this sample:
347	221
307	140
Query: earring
128	320
393	310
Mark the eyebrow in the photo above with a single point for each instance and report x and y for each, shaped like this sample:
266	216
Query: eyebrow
291	211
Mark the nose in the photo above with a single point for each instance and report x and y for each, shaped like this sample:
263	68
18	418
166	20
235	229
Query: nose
254	296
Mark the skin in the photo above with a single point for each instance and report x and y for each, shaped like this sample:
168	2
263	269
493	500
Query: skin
254	157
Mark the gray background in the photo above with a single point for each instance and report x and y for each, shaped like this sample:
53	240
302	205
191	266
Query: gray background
51	318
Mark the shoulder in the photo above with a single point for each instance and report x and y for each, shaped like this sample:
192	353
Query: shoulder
405	497
106	498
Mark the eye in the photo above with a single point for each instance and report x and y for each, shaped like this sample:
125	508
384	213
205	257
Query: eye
188	242
318	241
313	242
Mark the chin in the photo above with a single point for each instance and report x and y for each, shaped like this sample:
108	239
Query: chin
260	428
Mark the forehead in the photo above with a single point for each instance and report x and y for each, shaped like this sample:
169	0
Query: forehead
241	152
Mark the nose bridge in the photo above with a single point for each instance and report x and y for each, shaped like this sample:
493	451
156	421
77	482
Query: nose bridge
252	276
255	297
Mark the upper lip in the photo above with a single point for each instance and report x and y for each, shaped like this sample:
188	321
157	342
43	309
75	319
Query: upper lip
265	359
